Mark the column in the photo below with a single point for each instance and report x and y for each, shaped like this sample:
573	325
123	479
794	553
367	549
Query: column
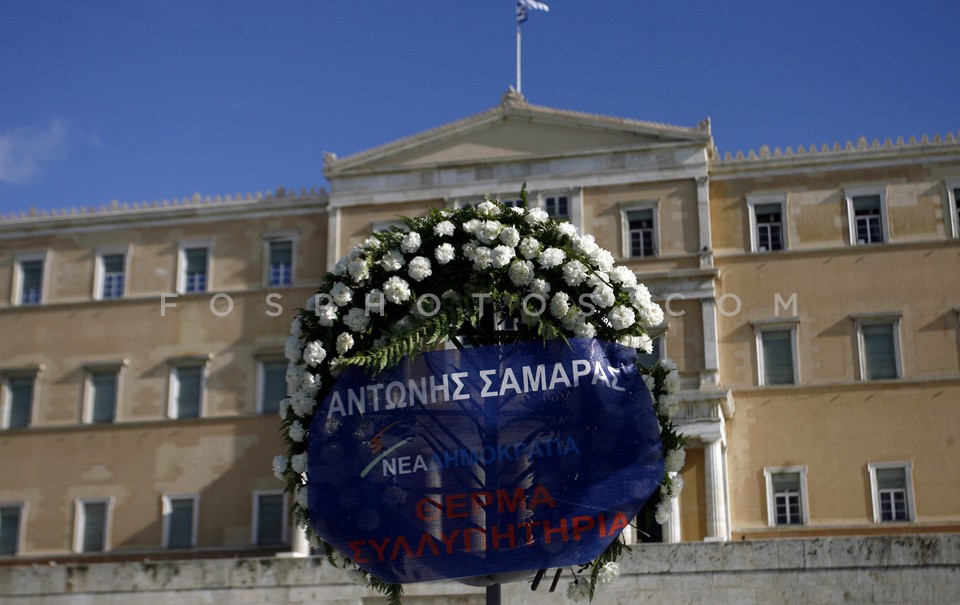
299	545
709	376
716	488
703	207
671	529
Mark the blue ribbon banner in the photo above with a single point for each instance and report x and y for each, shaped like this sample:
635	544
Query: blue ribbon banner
482	461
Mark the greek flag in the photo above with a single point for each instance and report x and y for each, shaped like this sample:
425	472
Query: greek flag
524	5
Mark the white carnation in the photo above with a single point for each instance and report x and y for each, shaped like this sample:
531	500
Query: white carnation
303	499
471	226
419	268
583	328
302	403
482	257
602	259
284	407
445	253
489	231
574	273
357	319
623	275
510	236
292	349
645	344
501	256
298	463
297	432
341	294
357	576
674	460
621	317
341	267
344	342
392	261
359	269
567	229
539	286
529	248
295	375
520	272
396	289
444	228
488	208
664	508
537	216
296	327
560	304
603	296
579	590
314	353
585	244
608	573
279	466
327	314
551	257
411	242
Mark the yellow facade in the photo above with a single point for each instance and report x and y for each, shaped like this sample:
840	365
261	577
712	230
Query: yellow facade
828	298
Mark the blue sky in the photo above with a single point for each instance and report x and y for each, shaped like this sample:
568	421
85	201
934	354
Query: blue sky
150	99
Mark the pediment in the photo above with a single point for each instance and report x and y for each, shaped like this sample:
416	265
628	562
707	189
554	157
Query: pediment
514	131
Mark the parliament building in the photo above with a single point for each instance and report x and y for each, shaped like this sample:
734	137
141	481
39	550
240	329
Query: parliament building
811	298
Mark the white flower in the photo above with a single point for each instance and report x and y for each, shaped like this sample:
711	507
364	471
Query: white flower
668	364
574	273
567	229
284	407
371	243
357	319
501	256
551	257
560	304
279	466
303	499
583	328
539	286
671	382
529	248
297	432
664	508
295	375
520	272
396	289
674	460
470	251
327	314
445	253
536	216
488	208
603	296
651	314
578	590
311	302
623	275
608	573
411	242
314	353
296	327
341	267
392	260
359	269
310	384
419	268
298	463
344	342
482	257
302	403
292	349
314	540
444	228
621	317
602	259
471	226
585	244
676	486
341	294
489	231
510	236
645	344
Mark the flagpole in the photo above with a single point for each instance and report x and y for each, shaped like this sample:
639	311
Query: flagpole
518	58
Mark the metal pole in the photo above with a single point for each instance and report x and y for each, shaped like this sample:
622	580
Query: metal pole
493	594
518	58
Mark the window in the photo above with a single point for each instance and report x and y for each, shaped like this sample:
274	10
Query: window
111	270
194	272
28	280
956	213
180	521
92	522
512	202
279	262
186	390
269	518
272	381
640	232
879	347
101	404
18	400
953	207
892	487
776	355
557	206
10	515
786	495
767	222
867	215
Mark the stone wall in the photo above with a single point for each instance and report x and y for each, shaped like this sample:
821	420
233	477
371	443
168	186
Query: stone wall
889	569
